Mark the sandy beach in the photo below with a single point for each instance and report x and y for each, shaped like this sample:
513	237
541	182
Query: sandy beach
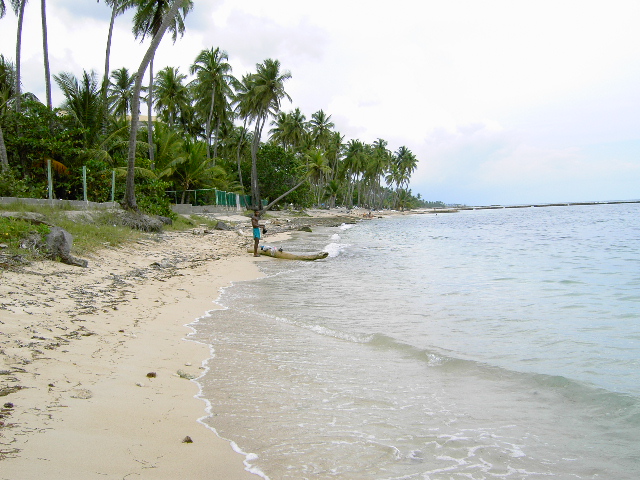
95	366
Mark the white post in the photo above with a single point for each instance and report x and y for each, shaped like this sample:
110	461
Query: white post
49	179
84	182
113	185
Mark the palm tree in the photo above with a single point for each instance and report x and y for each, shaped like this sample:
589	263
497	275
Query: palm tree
263	99
317	169
212	87
120	92
172	97
147	21
321	126
377	165
129	200
193	169
407	163
7	93
117	7
355	166
83	102
290	129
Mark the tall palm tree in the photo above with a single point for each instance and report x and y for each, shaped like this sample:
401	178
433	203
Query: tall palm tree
317	169
266	91
129	200
212	87
120	92
172	96
355	164
117	7
407	163
291	130
146	22
321	126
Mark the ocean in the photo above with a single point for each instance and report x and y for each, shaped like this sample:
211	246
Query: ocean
485	344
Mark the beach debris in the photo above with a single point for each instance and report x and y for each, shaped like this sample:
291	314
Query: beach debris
7	390
138	384
82	394
222	226
187	439
183	374
151	375
8	405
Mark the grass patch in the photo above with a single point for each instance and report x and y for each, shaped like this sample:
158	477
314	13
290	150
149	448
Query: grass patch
14	231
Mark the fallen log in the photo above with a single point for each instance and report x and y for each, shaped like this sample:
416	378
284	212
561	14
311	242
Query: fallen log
279	253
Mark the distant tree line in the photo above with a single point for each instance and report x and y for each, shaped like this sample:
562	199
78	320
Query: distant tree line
203	129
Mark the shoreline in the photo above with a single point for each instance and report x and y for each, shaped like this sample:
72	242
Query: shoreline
96	363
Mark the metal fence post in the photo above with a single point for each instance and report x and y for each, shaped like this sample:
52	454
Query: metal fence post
49	179
84	182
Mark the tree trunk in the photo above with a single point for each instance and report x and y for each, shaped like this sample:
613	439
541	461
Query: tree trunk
150	112
18	52
284	195
129	201
208	125
4	161
215	144
238	152
105	80
255	189
45	52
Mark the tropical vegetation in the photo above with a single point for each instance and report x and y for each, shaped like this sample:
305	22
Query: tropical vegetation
205	129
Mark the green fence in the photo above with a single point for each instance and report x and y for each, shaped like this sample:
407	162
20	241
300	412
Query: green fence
211	196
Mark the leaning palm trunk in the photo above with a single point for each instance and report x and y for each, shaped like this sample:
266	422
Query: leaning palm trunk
130	193
284	194
150	112
18	52
105	80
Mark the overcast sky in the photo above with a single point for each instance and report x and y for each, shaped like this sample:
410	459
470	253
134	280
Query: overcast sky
502	101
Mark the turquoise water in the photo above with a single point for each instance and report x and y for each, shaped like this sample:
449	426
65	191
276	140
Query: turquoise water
475	345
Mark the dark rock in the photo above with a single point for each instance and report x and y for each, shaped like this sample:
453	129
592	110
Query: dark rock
151	375
165	220
222	226
187	439
305	228
139	221
59	243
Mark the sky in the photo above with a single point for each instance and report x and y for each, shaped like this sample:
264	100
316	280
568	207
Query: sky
502	101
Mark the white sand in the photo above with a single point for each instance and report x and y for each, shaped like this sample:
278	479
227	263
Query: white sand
81	343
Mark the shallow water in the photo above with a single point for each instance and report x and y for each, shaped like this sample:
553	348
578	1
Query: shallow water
482	344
